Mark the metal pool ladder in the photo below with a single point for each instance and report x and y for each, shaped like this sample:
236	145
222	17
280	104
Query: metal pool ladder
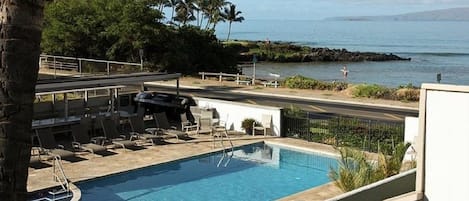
58	176
219	134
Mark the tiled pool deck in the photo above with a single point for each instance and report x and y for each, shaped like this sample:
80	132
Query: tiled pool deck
125	160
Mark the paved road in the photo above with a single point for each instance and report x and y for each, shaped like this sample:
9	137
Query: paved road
316	107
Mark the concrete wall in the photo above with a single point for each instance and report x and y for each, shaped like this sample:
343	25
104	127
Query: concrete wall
411	133
443	164
381	190
411	129
233	113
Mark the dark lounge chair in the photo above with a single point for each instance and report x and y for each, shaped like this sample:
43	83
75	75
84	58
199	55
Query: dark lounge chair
82	141
163	124
138	130
112	134
47	142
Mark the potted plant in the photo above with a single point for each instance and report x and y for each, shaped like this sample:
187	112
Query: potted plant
247	125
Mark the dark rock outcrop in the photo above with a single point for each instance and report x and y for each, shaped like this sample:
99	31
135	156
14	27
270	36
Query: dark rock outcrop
324	55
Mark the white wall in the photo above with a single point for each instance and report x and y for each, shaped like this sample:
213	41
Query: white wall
411	129
233	113
446	170
443	163
410	136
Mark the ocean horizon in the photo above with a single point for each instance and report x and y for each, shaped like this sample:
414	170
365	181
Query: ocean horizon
434	46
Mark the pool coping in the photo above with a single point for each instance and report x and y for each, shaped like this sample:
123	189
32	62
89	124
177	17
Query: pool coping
290	143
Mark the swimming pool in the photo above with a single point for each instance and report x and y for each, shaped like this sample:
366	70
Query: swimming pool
255	172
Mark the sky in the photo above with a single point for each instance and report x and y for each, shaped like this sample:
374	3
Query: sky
320	9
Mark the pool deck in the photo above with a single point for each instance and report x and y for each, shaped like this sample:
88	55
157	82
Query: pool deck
125	160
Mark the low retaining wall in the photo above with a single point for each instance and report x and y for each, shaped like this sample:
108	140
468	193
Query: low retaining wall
233	113
391	187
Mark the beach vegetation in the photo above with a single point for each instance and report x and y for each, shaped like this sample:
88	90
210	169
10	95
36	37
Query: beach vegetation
301	82
372	91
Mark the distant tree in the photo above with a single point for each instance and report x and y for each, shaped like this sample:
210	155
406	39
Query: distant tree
20	26
112	29
117	29
231	15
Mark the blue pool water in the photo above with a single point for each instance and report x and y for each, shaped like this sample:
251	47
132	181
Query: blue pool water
255	172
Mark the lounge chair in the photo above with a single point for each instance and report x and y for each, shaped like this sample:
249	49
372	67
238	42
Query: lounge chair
82	141
205	126
112	134
163	124
50	146
265	124
139	132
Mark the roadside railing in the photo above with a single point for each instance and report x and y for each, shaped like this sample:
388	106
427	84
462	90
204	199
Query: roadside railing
238	78
73	65
365	134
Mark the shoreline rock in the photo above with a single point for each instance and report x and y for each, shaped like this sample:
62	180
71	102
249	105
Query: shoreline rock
287	52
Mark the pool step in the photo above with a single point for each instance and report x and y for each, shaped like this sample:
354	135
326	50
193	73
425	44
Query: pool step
56	195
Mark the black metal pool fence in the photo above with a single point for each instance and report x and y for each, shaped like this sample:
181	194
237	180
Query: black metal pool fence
367	135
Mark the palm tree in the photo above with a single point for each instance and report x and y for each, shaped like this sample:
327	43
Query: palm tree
172	4
231	15
185	11
21	28
212	12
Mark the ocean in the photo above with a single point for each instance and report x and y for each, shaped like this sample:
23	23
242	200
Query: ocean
434	46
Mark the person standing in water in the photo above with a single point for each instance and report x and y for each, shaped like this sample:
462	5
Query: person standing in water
344	71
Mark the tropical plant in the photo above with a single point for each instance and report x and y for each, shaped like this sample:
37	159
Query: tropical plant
356	170
247	124
20	41
231	15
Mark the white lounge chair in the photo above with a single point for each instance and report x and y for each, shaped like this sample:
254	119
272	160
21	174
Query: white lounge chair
266	123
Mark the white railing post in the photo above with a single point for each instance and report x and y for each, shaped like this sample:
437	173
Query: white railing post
108	68
220	77
55	70
79	66
203	75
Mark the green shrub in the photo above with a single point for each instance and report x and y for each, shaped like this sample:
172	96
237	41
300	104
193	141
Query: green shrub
247	124
301	82
372	91
406	94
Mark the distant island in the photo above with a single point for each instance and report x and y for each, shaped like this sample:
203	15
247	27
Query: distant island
451	14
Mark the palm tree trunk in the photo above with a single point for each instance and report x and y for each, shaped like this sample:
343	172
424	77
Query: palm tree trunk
229	32
20	39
